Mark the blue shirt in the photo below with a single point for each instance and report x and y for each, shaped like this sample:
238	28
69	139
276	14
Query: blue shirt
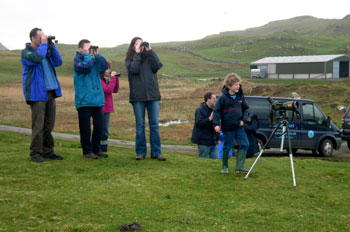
49	76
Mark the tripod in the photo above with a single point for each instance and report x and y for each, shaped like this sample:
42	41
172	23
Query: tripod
285	129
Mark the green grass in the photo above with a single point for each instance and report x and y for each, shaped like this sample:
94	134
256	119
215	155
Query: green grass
184	193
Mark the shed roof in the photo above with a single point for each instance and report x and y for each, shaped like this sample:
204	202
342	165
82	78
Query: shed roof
297	59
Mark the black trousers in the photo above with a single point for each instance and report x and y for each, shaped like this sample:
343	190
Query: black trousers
43	122
90	144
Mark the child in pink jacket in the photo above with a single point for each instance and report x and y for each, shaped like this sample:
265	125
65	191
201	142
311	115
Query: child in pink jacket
110	85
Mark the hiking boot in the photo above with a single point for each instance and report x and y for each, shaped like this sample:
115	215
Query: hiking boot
37	158
53	156
101	154
160	158
90	156
140	157
224	171
240	160
245	171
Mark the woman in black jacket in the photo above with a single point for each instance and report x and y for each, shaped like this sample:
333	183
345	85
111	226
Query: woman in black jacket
142	64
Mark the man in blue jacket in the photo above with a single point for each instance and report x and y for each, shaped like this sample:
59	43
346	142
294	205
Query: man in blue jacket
89	97
40	88
203	132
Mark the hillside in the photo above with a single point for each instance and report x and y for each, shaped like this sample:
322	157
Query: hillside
302	25
3	48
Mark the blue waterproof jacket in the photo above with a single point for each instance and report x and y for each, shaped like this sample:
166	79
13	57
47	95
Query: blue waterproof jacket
230	111
87	83
33	74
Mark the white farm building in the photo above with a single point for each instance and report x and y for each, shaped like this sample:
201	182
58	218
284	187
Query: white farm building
302	67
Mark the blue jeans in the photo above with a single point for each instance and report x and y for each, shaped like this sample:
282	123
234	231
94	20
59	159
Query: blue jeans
153	114
208	151
105	134
239	135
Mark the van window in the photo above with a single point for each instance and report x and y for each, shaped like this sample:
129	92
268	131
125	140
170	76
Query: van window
312	114
259	107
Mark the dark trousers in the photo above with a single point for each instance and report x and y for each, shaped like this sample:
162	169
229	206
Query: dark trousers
43	122
90	144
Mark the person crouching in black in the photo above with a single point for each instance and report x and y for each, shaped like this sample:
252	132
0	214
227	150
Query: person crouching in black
203	132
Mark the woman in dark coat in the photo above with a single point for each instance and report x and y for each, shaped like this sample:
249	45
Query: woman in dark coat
143	64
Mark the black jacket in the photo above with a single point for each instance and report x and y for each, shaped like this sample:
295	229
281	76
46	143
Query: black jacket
203	132
143	82
250	129
230	111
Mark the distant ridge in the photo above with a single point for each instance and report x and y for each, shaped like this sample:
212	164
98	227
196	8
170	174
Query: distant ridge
302	25
3	48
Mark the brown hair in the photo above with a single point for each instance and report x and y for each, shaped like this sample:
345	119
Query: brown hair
82	42
231	79
208	96
131	52
33	32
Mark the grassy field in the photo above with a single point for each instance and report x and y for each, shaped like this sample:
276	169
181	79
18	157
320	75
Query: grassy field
185	193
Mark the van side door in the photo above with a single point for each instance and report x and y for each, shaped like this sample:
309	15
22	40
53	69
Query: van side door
313	126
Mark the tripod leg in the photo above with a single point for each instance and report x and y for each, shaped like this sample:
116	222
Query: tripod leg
283	132
291	157
263	149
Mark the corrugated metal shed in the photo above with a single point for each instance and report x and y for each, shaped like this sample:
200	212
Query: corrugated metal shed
296	59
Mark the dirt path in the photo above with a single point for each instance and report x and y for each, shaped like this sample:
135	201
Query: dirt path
342	152
112	142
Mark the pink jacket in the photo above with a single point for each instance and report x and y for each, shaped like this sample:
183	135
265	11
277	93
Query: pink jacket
112	87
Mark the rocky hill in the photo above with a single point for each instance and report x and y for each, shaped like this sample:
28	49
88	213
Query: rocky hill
3	48
302	25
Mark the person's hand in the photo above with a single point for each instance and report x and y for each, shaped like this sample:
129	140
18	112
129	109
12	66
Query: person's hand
148	47
44	38
113	73
241	123
249	119
95	52
211	117
217	129
219	142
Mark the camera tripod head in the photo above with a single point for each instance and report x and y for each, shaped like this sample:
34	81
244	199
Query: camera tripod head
282	108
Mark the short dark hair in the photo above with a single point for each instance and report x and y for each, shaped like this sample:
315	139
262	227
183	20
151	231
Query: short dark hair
82	42
207	96
33	32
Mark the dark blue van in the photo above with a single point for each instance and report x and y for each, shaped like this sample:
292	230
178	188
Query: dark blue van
311	131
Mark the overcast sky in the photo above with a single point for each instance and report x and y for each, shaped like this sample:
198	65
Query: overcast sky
108	23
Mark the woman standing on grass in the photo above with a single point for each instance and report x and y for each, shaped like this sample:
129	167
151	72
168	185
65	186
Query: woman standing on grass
142	64
110	85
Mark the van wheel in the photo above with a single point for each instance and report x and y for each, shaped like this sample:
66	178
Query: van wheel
326	148
261	144
348	144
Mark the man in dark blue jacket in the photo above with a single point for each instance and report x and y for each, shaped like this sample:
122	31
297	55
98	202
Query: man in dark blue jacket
40	88
203	132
